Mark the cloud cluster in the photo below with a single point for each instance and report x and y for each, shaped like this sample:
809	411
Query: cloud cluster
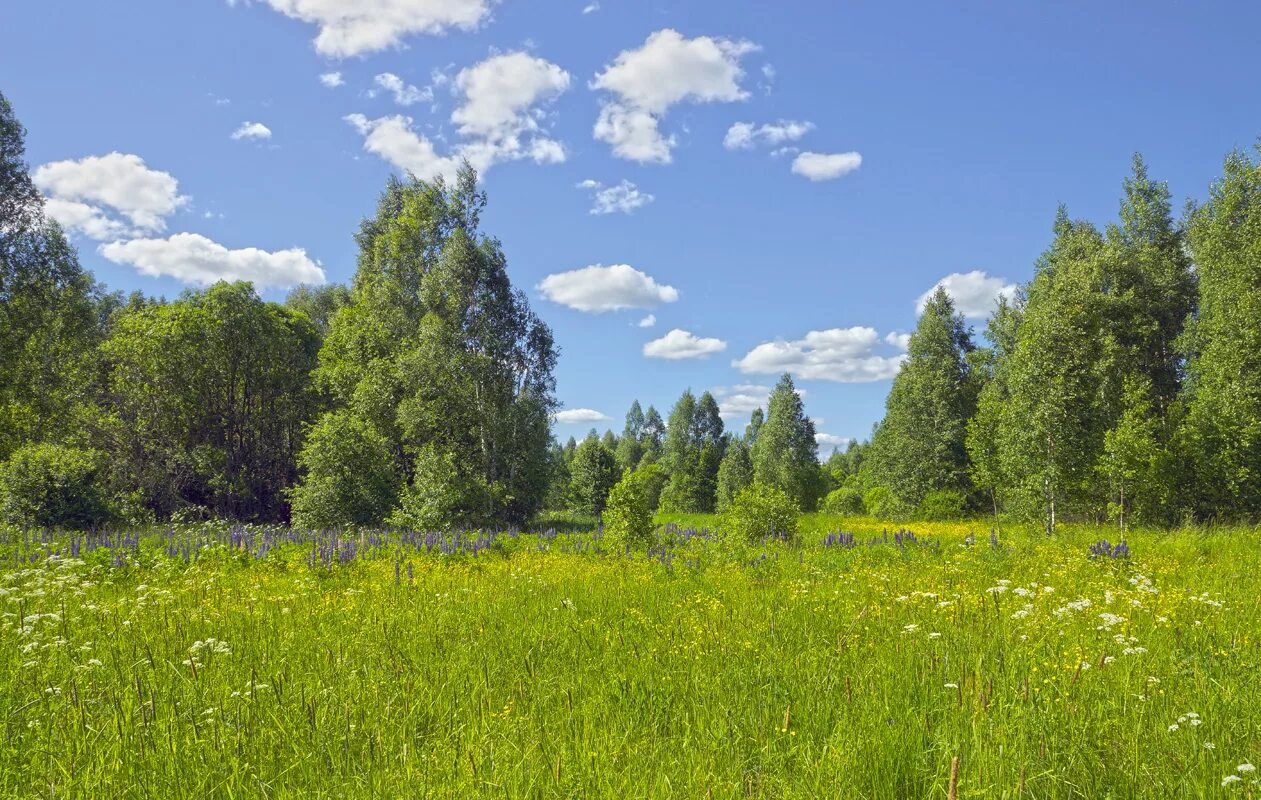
974	293
741	400
668	69
499	116
110	195
624	198
844	355
581	415
404	93
356	27
192	258
332	79
746	135
598	288
679	344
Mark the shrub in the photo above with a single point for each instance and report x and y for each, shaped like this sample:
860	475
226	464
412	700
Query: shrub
845	500
942	505
350	477
878	501
653	479
48	485
628	516
760	512
442	496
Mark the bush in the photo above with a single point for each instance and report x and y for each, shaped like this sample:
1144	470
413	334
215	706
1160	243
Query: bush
628	515
349	475
845	500
878	502
942	505
51	486
441	495
762	512
653	479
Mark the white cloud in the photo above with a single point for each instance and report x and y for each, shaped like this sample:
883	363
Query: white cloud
898	339
252	130
92	193
499	116
667	70
974	293
831	440
826	166
355	27
573	415
845	355
679	344
86	219
746	135
192	258
404	93
625	197
591	8
648	321
598	288
332	79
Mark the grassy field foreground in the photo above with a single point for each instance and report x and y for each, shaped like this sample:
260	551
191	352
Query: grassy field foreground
540	667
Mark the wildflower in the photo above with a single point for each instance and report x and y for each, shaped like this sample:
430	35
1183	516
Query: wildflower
1245	768
1173	727
952	686
1210	746
1229	779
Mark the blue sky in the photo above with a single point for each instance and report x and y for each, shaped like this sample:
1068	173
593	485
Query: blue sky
885	146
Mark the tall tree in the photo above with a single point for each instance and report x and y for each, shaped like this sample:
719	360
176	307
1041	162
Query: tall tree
734	474
319	303
437	351
993	365
654	435
1052	427
785	453
1223	424
630	446
920	445
48	310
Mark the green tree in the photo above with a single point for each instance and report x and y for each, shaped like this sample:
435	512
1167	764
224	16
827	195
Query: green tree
437	352
319	303
49	324
654	435
784	452
53	486
992	367
1052	425
628	518
630	446
1223	345
593	474
735	473
351	474
920	445
1134	461
761	512
209	397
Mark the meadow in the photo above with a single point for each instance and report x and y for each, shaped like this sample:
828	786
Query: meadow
208	661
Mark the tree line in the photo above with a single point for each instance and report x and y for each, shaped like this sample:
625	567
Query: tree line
1123	382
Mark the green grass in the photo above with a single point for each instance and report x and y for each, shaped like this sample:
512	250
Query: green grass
818	672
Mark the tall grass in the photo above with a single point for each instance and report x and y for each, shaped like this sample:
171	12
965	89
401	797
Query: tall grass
542	667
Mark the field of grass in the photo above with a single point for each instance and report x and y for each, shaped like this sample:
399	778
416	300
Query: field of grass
208	663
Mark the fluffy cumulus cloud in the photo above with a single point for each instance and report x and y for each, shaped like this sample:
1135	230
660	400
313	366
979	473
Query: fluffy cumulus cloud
974	293
845	355
680	344
667	70
499	119
826	166
648	321
598	288
332	79
898	339
404	93
624	198
746	135
192	258
581	415
109	196
355	27
252	130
